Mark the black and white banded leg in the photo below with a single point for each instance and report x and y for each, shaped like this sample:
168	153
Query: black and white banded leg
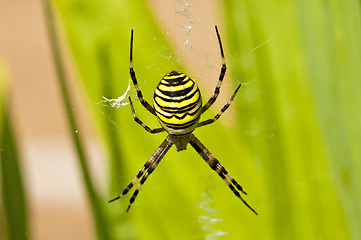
155	130
221	76
225	107
221	171
147	169
134	79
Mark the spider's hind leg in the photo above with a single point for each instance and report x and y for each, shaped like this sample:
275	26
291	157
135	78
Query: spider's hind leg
221	171
139	175
149	166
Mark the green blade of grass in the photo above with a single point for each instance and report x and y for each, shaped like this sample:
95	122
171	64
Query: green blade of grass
299	61
12	188
100	219
334	61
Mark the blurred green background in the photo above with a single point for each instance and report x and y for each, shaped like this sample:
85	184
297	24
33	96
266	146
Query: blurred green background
292	139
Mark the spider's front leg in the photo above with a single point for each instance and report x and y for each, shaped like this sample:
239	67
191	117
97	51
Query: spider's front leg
221	171
148	168
225	107
221	76
134	79
150	130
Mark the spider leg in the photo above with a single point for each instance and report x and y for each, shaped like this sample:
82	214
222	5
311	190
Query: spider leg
225	107
150	165
221	76
156	130
139	175
159	154
134	79
217	167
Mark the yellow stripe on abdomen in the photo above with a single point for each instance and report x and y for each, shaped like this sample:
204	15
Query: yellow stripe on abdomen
181	104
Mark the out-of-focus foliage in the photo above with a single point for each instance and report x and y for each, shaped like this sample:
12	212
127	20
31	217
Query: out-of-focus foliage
299	112
295	147
13	211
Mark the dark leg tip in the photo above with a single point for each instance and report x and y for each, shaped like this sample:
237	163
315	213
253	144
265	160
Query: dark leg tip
112	200
128	208
241	189
255	212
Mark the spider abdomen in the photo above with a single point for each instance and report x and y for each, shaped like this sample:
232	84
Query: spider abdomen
177	103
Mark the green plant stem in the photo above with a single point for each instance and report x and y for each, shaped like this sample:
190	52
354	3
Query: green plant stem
100	218
13	197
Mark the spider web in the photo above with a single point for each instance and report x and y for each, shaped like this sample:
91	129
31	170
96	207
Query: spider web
117	102
208	220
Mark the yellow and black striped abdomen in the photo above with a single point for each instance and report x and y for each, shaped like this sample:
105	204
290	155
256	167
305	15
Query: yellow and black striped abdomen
177	103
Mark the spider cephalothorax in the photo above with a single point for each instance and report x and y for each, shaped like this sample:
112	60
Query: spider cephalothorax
177	104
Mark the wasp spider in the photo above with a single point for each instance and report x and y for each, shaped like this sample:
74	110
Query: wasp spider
178	106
